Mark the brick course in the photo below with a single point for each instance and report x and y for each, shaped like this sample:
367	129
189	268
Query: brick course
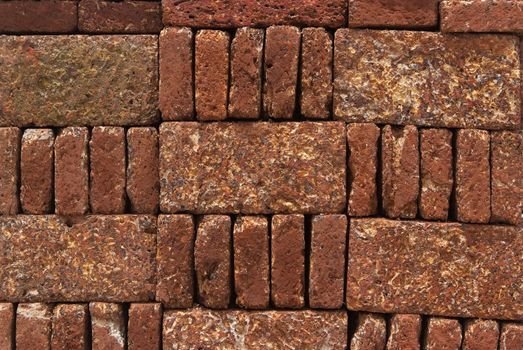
52	16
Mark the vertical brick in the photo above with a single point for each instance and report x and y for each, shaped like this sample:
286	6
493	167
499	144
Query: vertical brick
7	326
20	16
511	336
9	159
176	74
288	261
327	261
371	332
246	65
212	74
405	331
442	334
144	327
212	260
251	262
316	73
436	173
282	49
71	171
143	183
107	326
33	326
70	327
481	335
473	176
36	171
362	141
400	171
174	259
107	150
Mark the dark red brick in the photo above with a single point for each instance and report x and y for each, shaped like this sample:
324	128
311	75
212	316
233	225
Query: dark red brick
50	16
405	332
33	326
144	329
413	14
371	332
107	326
70	327
442	334
511	336
7	326
9	163
481	335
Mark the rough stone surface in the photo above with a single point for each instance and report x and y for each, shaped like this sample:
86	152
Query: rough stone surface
33	326
106	258
107	326
144	328
448	269
282	50
288	261
252	167
212	259
143	183
107	156
174	257
442	334
511	336
401	77
371	332
400	171
251	262
316	73
36	171
473	176
393	13
246	70
53	16
7	325
507	176
212	74
405	332
362	141
240	13
481	335
307	330
63	80
176	74
327	261
9	163
70	327
71	171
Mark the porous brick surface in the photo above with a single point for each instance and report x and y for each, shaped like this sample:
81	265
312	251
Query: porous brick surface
144	327
7	325
71	326
107	326
371	332
10	139
481	335
52	16
413	14
442	333
33	326
511	336
404	332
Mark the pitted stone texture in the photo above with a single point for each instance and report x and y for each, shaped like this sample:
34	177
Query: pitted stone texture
33	326
306	330
9	165
442	334
256	168
70	327
106	258
7	325
63	80
405	332
511	336
414	14
144	328
107	326
53	16
481	335
402	77
448	269
371	332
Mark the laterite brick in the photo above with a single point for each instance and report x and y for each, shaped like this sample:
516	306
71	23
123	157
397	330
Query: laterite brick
107	326
371	332
70	327
144	328
9	170
33	326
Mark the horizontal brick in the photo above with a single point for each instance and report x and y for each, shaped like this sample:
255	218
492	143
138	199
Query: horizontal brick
270	167
107	326
64	80
447	269
9	170
33	326
7	325
442	333
439	80
106	258
70	327
393	13
144	328
371	332
53	16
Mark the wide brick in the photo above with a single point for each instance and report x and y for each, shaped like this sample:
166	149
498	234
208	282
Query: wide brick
7	325
405	332
473	176
442	334
9	163
36	171
212	260
400	171
174	257
211	74
288	261
327	261
70	327
246	70
371	332
129	16
33	326
362	141
511	336
107	326
64	80
428	79
448	269
53	16
481	335
176	74
196	329
270	168
106	258
107	156
144	329
393	13
251	262
240	13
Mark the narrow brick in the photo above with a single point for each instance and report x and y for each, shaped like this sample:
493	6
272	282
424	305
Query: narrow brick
251	262
362	140
9	163
107	156
71	171
371	332
316	73
282	49
212	259
53	16
7	326
405	332
400	171
144	329
511	336
413	14
36	171
327	261
481	335
212	74
33	326
246	67
176	74
473	176
107	326
442	334
436	173
288	261
143	183
174	258
70	327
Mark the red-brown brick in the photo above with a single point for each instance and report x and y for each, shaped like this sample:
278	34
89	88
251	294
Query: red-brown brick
54	16
9	170
70	327
511	336
442	334
481	335
107	326
33	326
405	331
7	325
371	332
144	328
